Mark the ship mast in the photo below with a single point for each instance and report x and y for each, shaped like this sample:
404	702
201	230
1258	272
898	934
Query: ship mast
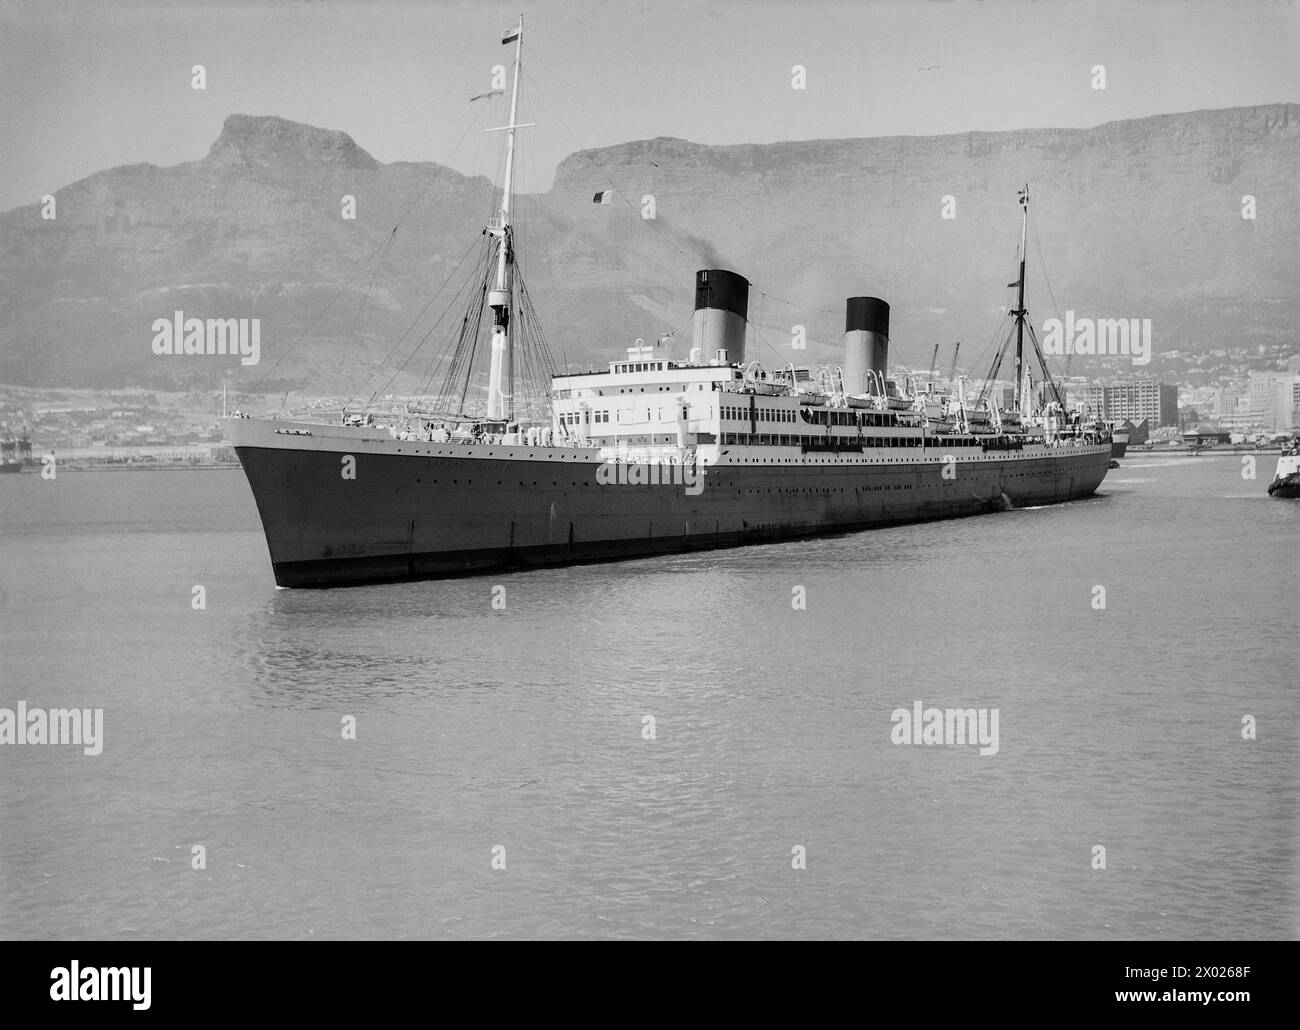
501	400
1020	302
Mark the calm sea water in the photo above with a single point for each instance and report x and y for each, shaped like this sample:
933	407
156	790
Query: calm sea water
523	728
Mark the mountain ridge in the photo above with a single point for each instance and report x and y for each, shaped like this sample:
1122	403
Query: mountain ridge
1134	216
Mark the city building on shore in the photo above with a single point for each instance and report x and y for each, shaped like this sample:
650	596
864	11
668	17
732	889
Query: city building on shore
1134	400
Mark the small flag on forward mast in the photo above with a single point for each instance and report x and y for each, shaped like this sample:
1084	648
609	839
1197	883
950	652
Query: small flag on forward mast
510	36
603	197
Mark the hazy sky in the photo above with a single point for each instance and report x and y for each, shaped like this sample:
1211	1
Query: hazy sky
87	86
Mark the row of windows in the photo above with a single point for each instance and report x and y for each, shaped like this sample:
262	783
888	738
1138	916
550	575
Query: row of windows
819	417
761	414
728	411
779	440
574	418
761	439
642	366
779	490
850	418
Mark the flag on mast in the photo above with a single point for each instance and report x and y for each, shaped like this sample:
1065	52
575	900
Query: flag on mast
603	197
510	36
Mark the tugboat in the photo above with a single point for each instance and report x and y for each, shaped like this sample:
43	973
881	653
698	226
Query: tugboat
1286	480
1119	437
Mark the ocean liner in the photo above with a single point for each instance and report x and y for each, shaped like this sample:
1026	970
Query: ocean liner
652	455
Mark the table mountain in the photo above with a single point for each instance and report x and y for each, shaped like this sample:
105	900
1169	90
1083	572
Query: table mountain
1139	218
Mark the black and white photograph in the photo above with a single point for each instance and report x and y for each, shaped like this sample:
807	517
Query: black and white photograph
765	470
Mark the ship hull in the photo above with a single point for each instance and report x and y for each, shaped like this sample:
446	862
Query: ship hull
416	511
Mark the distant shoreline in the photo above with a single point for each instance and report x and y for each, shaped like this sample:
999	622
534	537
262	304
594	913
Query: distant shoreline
131	467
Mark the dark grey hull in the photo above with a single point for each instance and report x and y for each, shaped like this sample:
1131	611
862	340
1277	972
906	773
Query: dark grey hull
413	516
